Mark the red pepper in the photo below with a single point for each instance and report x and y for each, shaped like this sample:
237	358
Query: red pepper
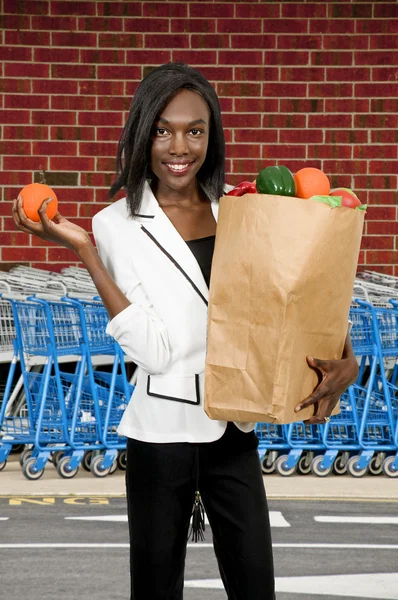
246	187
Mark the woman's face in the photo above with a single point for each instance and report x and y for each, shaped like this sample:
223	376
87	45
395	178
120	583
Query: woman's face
180	140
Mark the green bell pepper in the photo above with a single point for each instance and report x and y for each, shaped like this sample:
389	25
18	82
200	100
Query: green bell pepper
276	180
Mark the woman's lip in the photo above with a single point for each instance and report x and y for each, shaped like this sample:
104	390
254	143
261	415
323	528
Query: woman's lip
179	171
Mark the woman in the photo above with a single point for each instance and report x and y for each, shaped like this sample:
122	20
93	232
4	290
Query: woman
153	275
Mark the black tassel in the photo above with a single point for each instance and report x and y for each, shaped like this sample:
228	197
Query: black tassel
198	527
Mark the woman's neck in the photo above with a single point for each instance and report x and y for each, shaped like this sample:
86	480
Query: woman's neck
186	197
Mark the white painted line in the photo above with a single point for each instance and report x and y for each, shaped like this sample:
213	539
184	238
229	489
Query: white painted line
204	545
341	546
382	586
277	519
362	520
4	518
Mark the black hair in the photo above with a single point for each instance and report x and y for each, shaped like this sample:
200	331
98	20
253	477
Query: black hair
134	149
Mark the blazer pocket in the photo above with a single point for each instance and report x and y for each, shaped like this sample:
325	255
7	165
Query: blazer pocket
178	388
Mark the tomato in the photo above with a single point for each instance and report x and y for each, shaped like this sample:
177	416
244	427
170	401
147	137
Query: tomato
348	197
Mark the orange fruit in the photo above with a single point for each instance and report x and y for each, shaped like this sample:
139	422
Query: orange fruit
32	198
311	182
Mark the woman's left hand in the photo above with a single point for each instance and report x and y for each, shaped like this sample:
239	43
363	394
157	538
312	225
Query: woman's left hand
337	376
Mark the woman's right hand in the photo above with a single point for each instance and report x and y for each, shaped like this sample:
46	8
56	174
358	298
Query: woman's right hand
58	230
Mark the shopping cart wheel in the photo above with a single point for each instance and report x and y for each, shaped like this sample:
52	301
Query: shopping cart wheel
30	471
281	466
376	464
304	464
340	465
57	457
17	448
97	468
64	469
122	460
25	455
317	469
388	467
2	465
113	467
352	467
86	462
268	462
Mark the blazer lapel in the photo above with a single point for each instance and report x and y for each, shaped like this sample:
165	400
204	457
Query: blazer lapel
159	229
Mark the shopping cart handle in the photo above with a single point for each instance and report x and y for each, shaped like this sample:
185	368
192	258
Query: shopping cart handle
363	303
393	302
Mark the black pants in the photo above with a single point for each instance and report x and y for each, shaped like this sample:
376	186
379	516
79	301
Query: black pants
161	481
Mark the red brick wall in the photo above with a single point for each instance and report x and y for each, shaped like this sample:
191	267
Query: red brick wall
301	84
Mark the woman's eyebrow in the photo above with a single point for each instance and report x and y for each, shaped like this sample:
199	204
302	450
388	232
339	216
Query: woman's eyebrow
196	122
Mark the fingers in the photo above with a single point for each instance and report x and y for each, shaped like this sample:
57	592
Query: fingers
19	215
43	212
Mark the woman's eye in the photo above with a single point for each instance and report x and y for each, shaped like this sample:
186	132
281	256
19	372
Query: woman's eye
160	131
196	132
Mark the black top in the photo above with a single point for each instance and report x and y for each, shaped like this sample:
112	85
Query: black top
203	249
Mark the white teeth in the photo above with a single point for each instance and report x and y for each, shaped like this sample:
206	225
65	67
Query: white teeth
177	167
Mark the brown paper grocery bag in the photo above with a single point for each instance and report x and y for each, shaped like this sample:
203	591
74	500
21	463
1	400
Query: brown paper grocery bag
281	287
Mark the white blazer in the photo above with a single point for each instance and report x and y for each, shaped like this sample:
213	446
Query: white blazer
164	330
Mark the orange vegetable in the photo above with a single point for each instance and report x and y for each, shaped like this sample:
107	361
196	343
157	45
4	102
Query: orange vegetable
311	182
32	198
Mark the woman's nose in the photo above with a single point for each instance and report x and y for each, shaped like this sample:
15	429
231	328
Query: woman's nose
178	145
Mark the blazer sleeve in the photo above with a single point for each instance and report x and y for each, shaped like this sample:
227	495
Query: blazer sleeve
138	329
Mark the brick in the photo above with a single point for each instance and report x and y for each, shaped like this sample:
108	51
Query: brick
217	73
239	89
258	11
31	70
381	257
14	22
15	116
332	58
117	57
108	134
226	104
376	121
381	228
207	41
73	71
284	151
164	40
384	105
15	53
322	26
14	238
15	86
369	58
340	180
246	150
97	149
385	11
384	74
57	268
292	26
72	133
376	181
55	148
41	23
123	72
287	58
344	166
370	151
384	137
381	213
68	209
117	40
20	101
72	164
103	88
100	24
219	10
284	90
150	25
119	9
376	242
314	105
25	163
350	11
349	105
383	166
256	73
89	210
27	38
302	74
97	179
63	55
346	136
117	103
249	58
24	253
106	164
243	42
234	120
55	86
350	74
74	39
100	118
58	253
298	42
24	132
195	57
372	90
330	89
375	26
256	105
302	136
238	26
59	178
73	103
280	121
151	57
312	10
323	151
68	7
256	136
13	178
23	7
165	9
190	26
84	194
252	166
